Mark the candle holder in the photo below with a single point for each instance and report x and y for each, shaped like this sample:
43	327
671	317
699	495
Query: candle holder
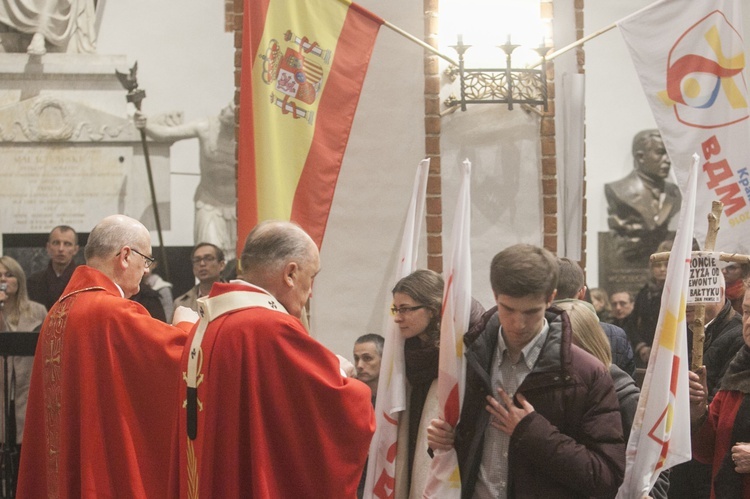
507	85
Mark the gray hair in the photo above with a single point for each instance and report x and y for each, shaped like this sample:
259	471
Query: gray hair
111	234
373	338
271	245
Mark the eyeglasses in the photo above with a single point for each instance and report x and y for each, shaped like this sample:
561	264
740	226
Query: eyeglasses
620	303
149	259
404	310
207	258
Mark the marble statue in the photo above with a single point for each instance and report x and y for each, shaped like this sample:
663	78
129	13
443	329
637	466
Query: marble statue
67	25
216	195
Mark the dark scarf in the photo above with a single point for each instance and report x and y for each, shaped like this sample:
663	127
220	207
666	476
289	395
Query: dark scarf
421	369
728	483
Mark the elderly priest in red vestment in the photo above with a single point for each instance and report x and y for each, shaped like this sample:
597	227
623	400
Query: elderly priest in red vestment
102	402
267	411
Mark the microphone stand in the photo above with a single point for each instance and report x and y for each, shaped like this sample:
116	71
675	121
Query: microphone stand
12	344
8	467
7	450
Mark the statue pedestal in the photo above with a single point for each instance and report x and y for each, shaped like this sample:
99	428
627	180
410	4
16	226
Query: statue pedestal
616	273
69	153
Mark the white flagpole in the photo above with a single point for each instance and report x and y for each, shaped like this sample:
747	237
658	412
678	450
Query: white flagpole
391	398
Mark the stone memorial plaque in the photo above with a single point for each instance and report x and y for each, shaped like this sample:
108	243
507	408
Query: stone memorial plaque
615	272
75	185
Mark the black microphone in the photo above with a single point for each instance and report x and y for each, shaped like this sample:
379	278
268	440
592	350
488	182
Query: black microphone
3	288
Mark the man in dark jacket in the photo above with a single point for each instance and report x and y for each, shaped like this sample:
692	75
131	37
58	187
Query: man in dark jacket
47	285
723	339
540	416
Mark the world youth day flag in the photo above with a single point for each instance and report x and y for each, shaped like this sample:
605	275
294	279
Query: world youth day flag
691	62
391	399
444	480
303	63
660	436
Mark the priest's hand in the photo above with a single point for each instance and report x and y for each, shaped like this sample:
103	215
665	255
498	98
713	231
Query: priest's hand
440	435
346	367
184	314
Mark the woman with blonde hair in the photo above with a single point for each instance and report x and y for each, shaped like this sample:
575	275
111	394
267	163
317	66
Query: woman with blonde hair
587	332
17	313
589	335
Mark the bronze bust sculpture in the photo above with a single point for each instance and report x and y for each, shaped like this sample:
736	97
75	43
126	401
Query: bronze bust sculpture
641	204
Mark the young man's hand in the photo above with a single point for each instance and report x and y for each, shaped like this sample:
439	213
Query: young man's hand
505	414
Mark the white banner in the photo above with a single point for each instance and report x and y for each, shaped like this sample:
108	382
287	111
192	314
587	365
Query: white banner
691	62
660	436
444	481
570	174
391	398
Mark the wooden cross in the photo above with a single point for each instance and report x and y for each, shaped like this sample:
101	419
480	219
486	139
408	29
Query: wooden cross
698	328
699	335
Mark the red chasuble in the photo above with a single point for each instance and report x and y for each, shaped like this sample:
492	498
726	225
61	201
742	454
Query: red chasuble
103	397
275	418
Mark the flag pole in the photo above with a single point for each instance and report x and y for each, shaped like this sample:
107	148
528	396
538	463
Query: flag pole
571	46
595	34
698	325
549	57
577	43
416	40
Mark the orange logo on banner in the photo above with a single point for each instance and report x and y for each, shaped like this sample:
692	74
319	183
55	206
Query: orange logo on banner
704	71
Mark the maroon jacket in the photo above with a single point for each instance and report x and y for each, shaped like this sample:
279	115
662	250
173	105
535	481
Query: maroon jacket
572	444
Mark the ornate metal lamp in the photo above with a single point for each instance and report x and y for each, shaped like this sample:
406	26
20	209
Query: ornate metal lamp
506	85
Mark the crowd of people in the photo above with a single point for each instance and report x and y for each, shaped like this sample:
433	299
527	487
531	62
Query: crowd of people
120	401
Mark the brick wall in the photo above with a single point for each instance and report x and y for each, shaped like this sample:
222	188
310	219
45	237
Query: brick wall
432	126
549	150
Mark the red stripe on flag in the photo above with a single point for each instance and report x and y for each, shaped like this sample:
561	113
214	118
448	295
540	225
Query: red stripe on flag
314	194
675	375
452	410
254	21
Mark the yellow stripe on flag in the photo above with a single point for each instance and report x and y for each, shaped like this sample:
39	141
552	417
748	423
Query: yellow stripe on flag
283	142
668	331
668	337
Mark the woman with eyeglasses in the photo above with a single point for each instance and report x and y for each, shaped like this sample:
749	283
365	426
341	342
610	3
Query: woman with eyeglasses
417	301
17	313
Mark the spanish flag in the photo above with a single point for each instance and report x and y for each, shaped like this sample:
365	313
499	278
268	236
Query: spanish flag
303	63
